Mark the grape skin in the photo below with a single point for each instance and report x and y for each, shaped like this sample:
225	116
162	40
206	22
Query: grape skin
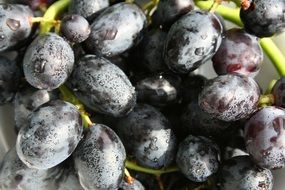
192	40
230	97
116	30
48	61
278	91
264	137
9	80
15	25
100	159
53	133
148	136
102	86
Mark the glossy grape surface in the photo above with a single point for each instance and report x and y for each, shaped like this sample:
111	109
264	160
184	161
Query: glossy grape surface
54	130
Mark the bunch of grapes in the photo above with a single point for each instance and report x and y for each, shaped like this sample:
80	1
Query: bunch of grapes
106	94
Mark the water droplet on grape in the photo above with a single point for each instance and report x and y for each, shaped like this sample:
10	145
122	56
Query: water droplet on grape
13	24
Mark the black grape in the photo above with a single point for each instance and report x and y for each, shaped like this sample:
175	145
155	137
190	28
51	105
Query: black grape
239	52
54	130
148	136
116	30
230	97
48	61
15	25
100	159
9	80
102	86
278	91
192	40
264	18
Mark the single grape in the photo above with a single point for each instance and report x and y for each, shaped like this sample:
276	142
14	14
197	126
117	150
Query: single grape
33	4
27	100
48	61
239	52
192	40
168	11
198	158
264	137
116	30
15	175
100	159
75	28
102	86
15	25
136	185
54	130
9	80
87	8
158	90
230	97
278	92
148	136
241	173
264	18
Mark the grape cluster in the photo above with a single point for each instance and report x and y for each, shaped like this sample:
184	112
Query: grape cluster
106	95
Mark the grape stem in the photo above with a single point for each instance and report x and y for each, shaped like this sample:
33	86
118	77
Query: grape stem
269	47
157	172
266	100
128	178
51	13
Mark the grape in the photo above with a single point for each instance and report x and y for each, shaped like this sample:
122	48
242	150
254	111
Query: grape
9	80
15	25
27	100
197	158
102	86
264	18
158	90
168	11
99	159
48	61
15	175
192	40
87	8
136	185
240	53
75	28
116	30
230	97
241	173
53	133
278	91
33	4
147	135
264	137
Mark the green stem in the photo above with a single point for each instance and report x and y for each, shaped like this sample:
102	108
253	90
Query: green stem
51	13
269	47
133	166
267	99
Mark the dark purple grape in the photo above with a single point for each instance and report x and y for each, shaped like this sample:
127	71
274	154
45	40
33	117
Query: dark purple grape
102	86
15	175
241	173
198	158
265	137
75	28
264	18
136	185
54	130
147	135
27	100
278	91
116	30
100	159
239	52
192	40
33	4
159	90
15	25
48	61
168	11
9	80
87	8
230	97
